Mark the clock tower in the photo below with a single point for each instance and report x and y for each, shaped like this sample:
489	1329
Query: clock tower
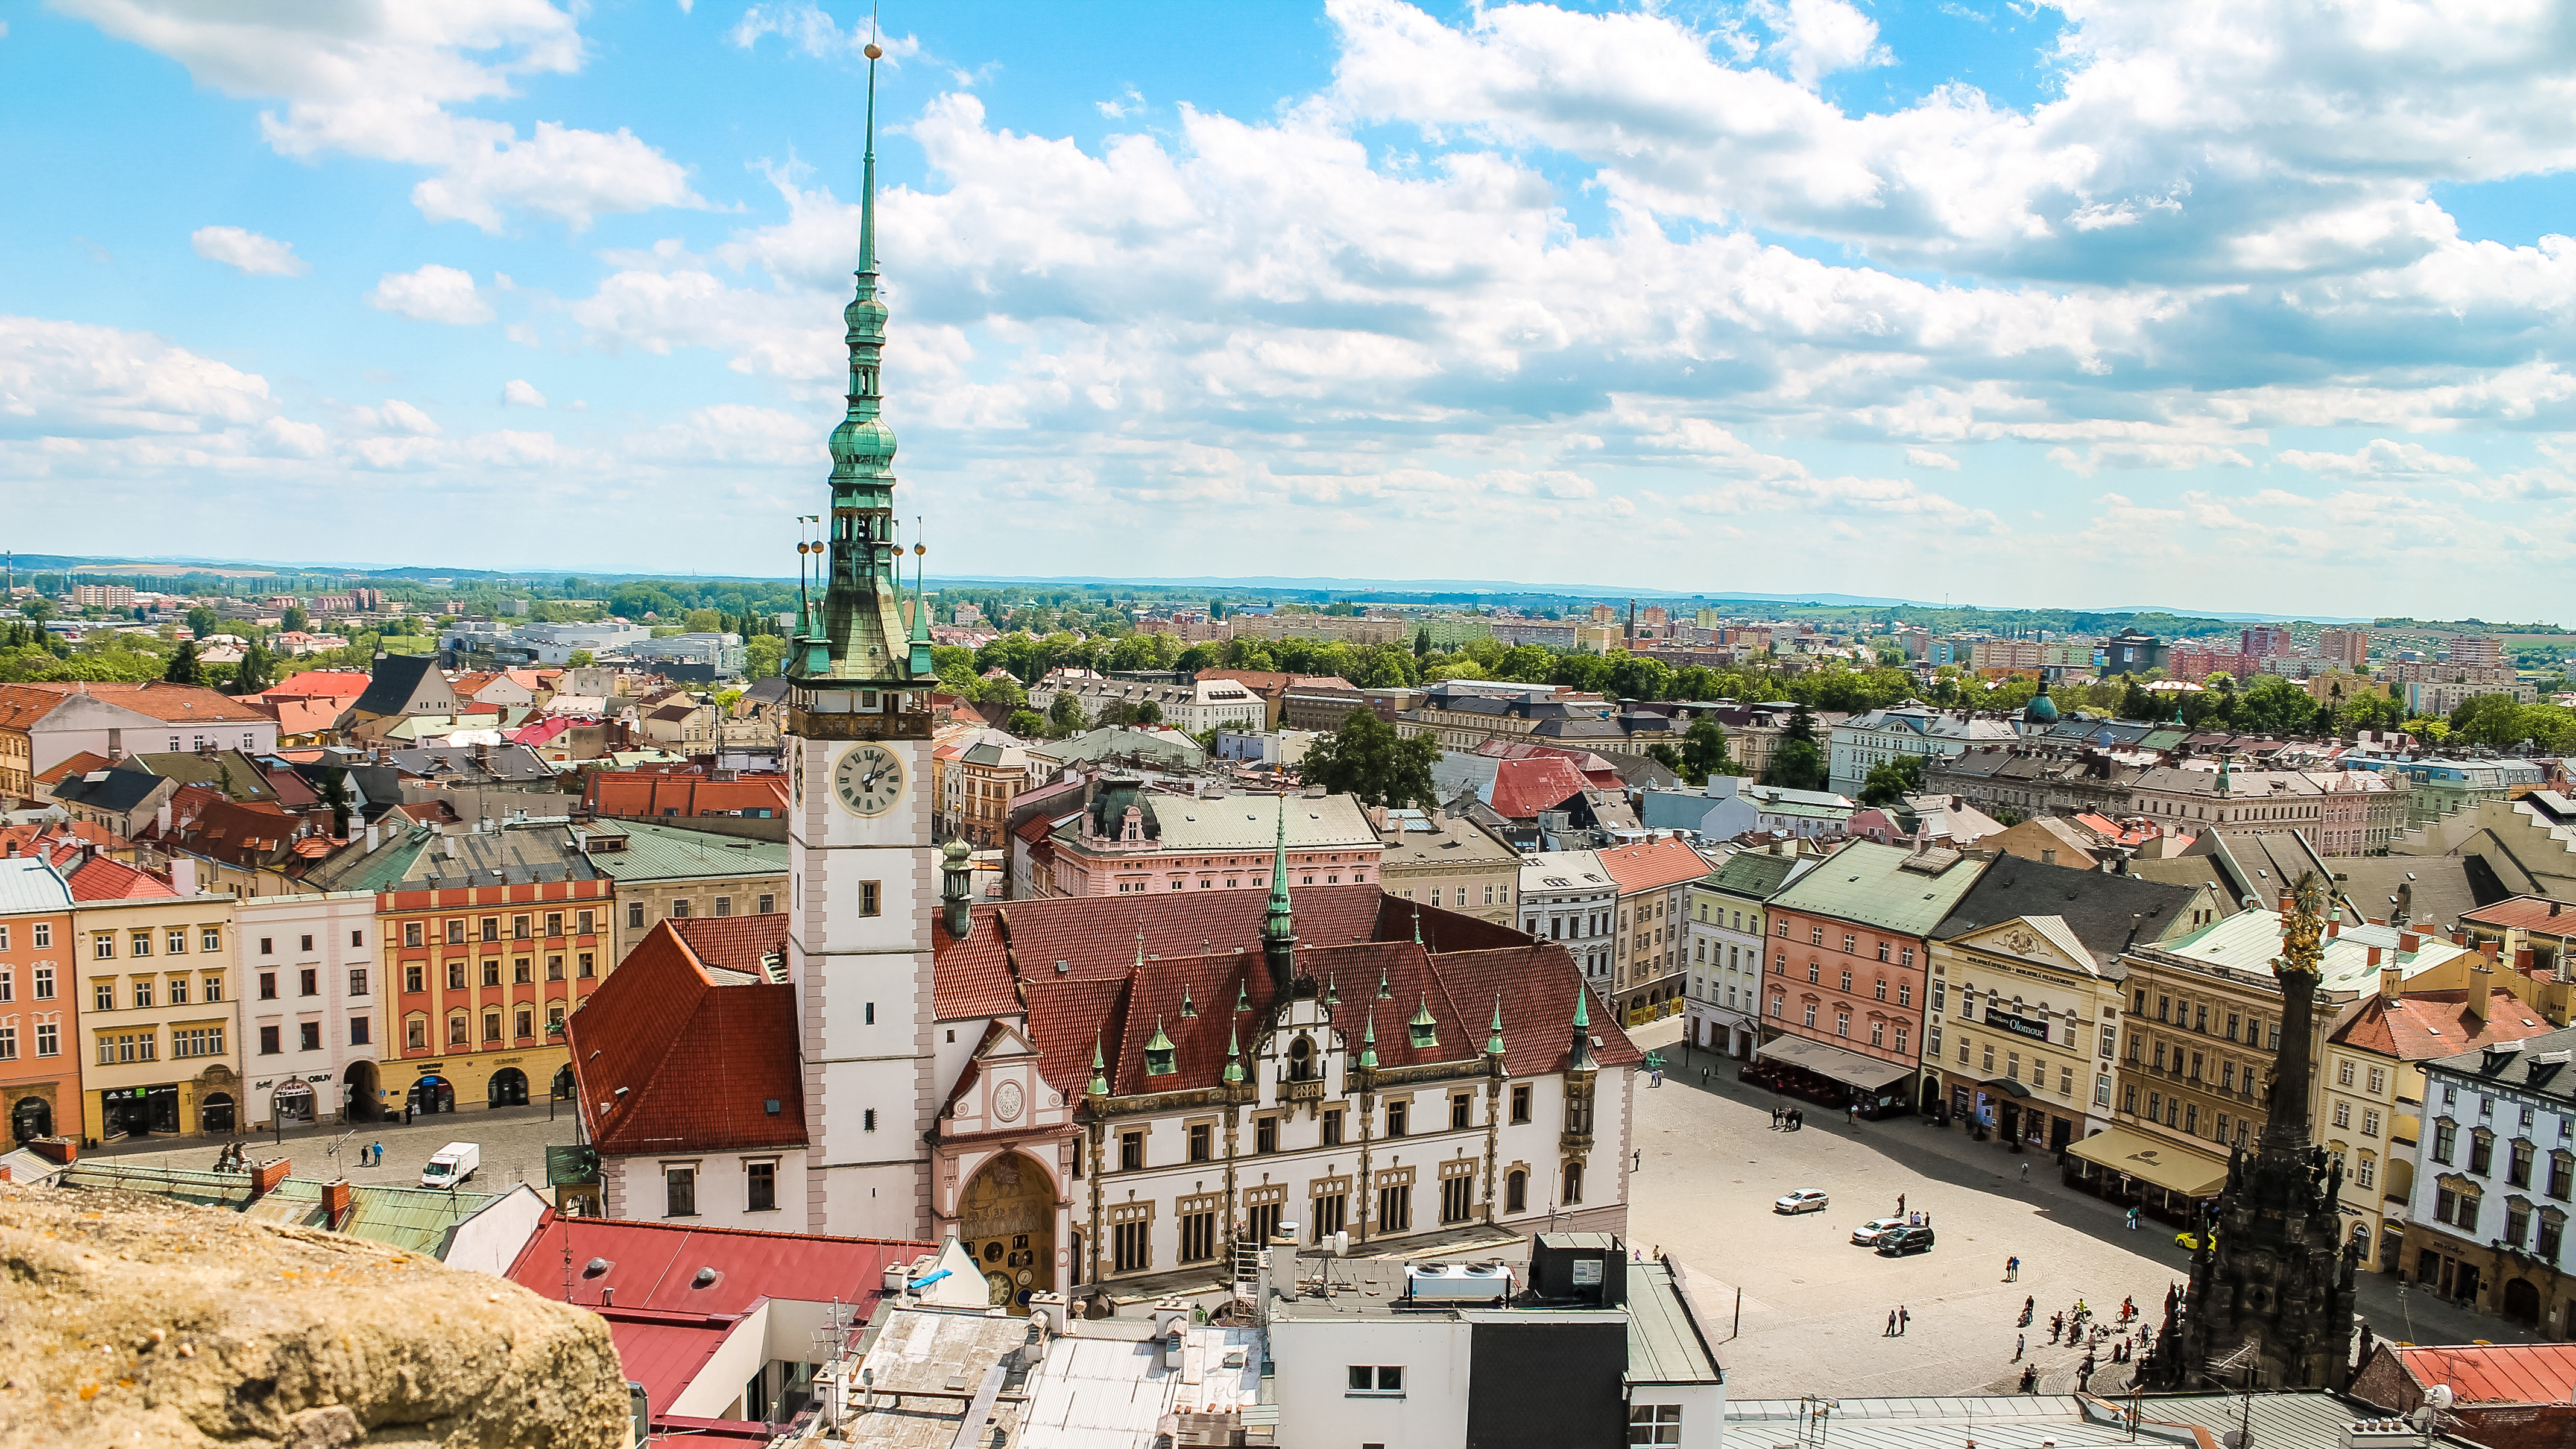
863	875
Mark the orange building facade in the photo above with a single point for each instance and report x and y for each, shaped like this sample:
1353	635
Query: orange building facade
484	977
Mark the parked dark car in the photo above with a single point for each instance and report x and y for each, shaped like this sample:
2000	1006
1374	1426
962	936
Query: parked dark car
1903	1241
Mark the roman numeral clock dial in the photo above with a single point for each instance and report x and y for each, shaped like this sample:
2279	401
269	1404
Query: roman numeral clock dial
868	780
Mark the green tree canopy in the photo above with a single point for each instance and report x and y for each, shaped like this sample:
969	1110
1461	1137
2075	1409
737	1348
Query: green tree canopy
258	670
183	667
1889	783
1704	752
1797	765
1064	716
1365	758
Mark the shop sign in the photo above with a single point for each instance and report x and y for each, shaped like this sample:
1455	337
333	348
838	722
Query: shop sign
2018	1025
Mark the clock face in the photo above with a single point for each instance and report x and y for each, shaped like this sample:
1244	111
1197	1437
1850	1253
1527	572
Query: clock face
869	780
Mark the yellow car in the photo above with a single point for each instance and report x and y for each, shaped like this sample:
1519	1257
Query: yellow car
2191	1240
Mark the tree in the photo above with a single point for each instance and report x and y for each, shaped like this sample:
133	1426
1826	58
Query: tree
1366	759
202	621
580	659
1704	751
294	618
762	654
1421	643
2137	703
258	669
1665	755
1149	713
1028	724
2275	706
1890	783
184	668
1797	765
335	793
1065	715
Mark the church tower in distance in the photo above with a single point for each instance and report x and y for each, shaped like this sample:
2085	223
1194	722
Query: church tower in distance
863	875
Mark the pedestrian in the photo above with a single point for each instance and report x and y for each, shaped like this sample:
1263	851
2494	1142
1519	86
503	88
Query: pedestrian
2019	1344
2012	1270
2133	1220
2056	1326
1891	1324
1855	1114
1900	1204
2025	1170
2030	1378
1902	1318
1776	1111
1703	1076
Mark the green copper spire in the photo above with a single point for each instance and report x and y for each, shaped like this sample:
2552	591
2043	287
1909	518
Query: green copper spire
1278	927
855	635
1417	924
1160	1055
1333	991
1384	991
1368	1044
920	662
1243	996
1233	1059
1582	1007
1494	1043
1099	1086
1425	1031
1188	1007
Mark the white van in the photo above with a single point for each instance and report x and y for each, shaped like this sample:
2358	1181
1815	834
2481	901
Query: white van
451	1165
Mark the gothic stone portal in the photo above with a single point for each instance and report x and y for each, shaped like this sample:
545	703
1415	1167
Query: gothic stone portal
1007	1222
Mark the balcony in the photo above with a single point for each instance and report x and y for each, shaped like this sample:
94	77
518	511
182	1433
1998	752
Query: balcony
1309	1090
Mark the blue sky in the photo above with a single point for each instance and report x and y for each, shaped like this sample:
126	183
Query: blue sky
2236	305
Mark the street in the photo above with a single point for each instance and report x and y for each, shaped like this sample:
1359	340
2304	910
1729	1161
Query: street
1815	1305
513	1139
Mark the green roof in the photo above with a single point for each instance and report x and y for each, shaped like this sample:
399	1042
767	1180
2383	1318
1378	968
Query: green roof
415	1219
1886	886
665	852
382	869
1754	874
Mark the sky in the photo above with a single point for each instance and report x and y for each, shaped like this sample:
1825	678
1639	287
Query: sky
2220	304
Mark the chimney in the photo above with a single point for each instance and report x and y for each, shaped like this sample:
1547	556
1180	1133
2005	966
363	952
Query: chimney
183	875
2409	942
2374	955
2392	982
265	1178
2334	928
2522	961
161	818
337	1197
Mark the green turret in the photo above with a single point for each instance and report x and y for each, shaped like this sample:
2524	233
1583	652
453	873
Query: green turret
1278	927
855	635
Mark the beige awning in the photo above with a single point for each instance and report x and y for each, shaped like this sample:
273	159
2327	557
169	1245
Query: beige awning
2162	1164
1848	1067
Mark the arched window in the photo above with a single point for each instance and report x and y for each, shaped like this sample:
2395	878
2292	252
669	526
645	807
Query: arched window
1301	1059
1516	1192
1573	1182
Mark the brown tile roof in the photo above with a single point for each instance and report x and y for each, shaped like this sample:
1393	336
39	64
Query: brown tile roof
112	880
699	1063
735	943
1523	788
2419	1028
23	704
610	792
176	703
80	764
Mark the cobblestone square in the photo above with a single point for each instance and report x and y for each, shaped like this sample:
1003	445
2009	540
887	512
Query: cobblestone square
1815	1305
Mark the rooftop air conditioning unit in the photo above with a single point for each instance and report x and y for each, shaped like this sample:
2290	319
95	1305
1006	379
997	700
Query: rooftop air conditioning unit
1458	1282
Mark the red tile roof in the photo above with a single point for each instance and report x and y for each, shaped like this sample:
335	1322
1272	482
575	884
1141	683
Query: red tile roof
111	880
1208	949
643	794
1095	936
1523	788
80	764
698	1062
2507	1373
296	716
2436	1024
735	943
1654	863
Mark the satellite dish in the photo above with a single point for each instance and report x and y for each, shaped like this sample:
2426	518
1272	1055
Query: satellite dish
2440	1396
2233	1439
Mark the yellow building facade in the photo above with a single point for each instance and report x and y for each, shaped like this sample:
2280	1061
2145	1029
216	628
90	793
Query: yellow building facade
157	1019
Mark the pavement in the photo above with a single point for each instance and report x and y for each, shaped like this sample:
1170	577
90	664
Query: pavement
513	1139
1814	1305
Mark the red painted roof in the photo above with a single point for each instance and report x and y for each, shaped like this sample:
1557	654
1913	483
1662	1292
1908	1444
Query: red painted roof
342	684
699	1062
176	703
1654	863
2505	1373
1523	788
665	1325
296	716
2530	913
79	764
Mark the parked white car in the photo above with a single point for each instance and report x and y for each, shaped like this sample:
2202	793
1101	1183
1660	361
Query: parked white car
1804	1200
1868	1233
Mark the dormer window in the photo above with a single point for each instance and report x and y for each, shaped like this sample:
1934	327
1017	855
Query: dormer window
1161	1057
1425	1031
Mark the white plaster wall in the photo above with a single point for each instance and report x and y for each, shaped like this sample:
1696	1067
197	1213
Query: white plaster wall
490	1240
712	1393
1317	1409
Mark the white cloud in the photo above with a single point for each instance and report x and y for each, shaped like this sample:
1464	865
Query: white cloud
1930	458
1132	103
810	28
382	79
431	294
74	380
519	392
248	251
1819	37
